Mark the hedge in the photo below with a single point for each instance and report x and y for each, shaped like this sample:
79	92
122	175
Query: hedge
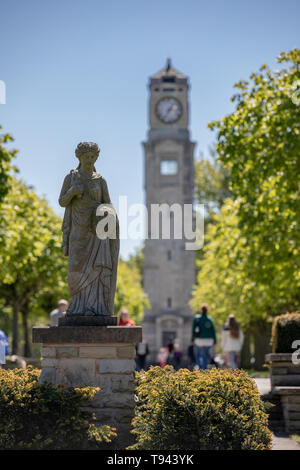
199	410
285	330
42	416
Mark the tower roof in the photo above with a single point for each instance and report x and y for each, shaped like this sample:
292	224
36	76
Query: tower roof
168	71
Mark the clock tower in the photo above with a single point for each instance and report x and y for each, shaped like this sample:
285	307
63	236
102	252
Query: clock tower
169	271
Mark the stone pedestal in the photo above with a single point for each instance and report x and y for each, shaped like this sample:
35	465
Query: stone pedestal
285	383
290	399
282	370
98	356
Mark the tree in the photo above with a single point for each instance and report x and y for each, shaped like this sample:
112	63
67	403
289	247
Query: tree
211	189
260	143
34	273
6	166
33	266
129	291
212	181
136	260
224	283
251	259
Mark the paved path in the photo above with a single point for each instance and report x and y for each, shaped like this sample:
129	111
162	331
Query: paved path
263	385
280	441
284	442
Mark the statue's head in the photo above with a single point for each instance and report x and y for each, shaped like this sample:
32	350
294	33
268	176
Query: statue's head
87	154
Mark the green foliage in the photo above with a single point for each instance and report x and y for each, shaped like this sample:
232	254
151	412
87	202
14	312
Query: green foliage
223	281
136	260
285	330
6	166
211	185
129	291
260	144
41	416
250	265
34	270
30	234
199	410
34	273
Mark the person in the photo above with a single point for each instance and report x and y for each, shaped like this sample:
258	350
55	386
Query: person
177	354
4	351
124	318
191	357
142	351
170	345
162	356
203	336
232	341
170	349
58	312
19	361
93	257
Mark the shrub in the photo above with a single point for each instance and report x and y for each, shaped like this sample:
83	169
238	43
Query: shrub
42	416
204	410
285	330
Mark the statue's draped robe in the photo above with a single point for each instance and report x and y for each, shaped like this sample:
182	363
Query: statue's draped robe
92	262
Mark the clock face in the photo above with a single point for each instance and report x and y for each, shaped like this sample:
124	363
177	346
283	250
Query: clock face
168	110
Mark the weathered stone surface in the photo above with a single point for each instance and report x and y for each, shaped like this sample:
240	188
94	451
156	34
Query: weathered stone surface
49	363
48	375
122	383
112	416
172	273
279	370
293	426
116	366
48	351
119	400
125	438
82	192
126	352
105	415
104	382
280	364
291	399
294	416
294	370
125	416
66	351
96	364
292	379
76	372
98	352
292	407
84	320
279	357
288	390
87	334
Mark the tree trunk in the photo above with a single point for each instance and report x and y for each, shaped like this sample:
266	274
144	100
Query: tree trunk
262	335
15	332
27	343
246	352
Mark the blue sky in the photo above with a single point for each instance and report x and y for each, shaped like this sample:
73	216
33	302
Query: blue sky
78	70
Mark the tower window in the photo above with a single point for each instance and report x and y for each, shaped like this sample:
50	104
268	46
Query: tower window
168	167
169	302
169	255
169	79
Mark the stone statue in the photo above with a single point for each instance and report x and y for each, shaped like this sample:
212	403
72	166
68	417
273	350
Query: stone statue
93	261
